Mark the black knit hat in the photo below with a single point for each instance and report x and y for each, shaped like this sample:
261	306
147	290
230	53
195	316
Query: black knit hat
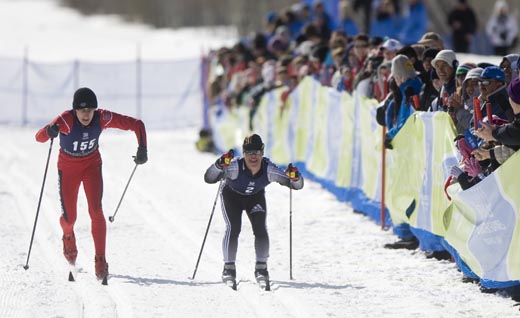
429	52
253	142
84	98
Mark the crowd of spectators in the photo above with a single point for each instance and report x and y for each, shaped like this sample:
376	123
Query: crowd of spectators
482	99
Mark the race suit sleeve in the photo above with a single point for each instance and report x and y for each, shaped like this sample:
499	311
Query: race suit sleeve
214	174
64	120
114	120
275	174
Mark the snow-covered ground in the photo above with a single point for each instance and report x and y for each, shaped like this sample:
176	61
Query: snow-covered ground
340	268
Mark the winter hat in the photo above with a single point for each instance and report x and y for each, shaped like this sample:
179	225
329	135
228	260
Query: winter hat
513	90
429	52
375	41
493	72
253	142
402	67
282	30
304	48
431	39
408	51
84	98
513	60
392	45
277	43
464	68
319	53
474	73
484	64
447	56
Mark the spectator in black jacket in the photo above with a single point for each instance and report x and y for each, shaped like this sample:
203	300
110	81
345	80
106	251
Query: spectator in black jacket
463	23
492	85
508	134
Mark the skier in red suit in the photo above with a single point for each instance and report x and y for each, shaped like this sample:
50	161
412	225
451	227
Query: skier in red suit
79	162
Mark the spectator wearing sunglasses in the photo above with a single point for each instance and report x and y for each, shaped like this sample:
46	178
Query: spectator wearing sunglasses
492	85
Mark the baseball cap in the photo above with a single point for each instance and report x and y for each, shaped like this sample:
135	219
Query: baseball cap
493	72
392	45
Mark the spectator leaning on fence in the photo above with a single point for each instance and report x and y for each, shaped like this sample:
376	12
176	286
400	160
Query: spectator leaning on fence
409	85
445	64
470	87
493	90
462	115
509	65
509	134
397	112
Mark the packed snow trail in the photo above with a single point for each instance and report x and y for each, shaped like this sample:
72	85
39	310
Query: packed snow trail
339	264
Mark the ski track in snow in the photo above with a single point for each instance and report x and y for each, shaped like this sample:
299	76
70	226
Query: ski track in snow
339	264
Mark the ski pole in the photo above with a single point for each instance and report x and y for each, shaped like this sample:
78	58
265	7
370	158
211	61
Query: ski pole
111	218
26	266
290	234
207	229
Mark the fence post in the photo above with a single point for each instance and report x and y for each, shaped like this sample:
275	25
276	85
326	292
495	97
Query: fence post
75	76
25	85
138	80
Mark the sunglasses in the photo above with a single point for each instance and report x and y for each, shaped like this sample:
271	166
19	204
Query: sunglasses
484	83
253	152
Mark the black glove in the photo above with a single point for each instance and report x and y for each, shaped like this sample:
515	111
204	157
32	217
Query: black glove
388	143
224	160
292	172
141	156
53	130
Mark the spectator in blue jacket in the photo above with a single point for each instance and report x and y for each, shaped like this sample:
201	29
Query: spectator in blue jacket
414	23
346	22
409	85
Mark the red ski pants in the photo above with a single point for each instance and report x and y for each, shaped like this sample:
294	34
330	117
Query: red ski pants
73	172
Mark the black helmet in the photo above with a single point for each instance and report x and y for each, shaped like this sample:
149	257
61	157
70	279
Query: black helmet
84	98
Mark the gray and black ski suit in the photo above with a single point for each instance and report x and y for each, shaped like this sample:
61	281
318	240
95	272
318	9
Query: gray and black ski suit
243	191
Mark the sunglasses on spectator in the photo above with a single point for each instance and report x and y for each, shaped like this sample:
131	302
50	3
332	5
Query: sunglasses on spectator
484	83
253	152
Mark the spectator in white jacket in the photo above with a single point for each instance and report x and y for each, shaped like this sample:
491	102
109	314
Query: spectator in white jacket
502	28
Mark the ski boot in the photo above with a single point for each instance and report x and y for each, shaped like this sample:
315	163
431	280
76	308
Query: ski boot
69	248
229	275
101	269
262	275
